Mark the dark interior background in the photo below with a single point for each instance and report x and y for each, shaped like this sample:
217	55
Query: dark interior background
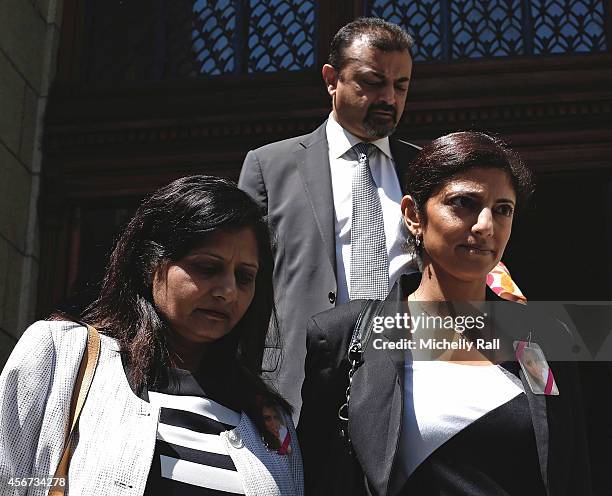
149	91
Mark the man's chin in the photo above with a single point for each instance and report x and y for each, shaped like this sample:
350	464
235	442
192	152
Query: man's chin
378	131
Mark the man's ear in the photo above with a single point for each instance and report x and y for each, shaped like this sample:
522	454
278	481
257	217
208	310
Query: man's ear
330	76
411	215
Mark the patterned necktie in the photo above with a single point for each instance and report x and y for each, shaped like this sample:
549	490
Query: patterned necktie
369	259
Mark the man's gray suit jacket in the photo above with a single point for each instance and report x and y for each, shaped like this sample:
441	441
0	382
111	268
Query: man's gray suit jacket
291	179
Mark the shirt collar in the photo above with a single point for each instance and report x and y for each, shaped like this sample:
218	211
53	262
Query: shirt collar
341	141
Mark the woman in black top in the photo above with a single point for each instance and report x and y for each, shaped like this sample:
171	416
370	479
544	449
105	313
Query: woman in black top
454	420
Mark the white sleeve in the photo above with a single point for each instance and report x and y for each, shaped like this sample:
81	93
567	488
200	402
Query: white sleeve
24	388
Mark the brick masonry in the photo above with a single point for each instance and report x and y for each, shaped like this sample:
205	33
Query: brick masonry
29	36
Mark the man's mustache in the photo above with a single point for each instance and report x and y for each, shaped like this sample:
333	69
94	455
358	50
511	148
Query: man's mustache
384	107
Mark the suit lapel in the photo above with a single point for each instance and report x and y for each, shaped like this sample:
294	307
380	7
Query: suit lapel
396	305
539	418
553	424
376	408
403	152
313	165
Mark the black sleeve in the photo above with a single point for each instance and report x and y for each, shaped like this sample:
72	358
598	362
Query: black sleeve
582	480
596	385
568	463
329	467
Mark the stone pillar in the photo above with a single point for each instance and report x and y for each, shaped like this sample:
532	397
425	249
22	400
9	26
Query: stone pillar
29	38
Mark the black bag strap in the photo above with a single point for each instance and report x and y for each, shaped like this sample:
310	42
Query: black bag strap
359	340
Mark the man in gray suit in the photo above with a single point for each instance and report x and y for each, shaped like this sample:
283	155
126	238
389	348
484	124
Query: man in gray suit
312	197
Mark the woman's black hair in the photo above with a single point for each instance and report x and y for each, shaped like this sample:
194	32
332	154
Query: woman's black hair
167	226
454	153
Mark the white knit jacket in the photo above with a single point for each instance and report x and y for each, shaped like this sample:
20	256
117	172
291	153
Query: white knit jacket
117	430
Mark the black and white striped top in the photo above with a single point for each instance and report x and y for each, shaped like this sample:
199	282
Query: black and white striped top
190	454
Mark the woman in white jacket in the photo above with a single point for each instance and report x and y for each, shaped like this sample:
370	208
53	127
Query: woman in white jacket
175	406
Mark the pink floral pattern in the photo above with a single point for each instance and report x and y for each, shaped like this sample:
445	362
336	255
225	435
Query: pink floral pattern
500	281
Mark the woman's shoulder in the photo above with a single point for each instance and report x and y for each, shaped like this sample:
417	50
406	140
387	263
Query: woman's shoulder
42	347
53	337
334	327
51	329
45	337
342	316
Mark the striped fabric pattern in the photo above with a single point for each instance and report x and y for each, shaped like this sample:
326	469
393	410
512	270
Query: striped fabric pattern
192	454
117	429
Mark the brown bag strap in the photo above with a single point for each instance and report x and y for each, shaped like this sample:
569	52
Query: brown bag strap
79	394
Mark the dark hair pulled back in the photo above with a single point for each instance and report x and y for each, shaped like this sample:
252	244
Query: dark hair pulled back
458	152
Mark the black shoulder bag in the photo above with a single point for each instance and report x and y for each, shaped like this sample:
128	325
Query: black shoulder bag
359	341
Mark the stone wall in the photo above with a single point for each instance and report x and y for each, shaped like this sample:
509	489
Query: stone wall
29	38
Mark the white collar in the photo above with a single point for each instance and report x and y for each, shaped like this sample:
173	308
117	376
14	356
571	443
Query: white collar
341	141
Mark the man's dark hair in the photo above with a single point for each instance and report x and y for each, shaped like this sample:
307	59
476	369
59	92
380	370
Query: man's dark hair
378	33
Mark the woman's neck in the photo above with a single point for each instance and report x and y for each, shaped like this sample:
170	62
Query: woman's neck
438	285
185	355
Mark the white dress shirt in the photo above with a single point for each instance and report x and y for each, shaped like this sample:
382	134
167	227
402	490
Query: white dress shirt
342	162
